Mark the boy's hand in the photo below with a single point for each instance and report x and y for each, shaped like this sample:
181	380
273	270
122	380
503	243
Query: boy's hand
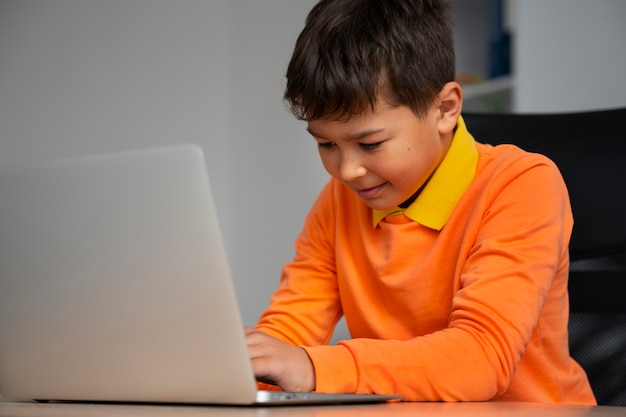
280	363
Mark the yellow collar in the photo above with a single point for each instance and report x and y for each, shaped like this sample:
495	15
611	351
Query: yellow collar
440	195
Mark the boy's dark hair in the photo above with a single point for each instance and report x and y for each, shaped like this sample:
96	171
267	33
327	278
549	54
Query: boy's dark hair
352	52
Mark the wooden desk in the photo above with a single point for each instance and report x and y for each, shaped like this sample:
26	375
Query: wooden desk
487	409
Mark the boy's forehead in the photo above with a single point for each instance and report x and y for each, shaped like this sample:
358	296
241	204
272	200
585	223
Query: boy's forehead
346	111
345	131
369	112
356	126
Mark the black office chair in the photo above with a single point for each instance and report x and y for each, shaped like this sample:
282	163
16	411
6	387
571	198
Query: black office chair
590	150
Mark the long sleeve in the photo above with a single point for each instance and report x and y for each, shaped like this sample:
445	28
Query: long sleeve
473	312
306	306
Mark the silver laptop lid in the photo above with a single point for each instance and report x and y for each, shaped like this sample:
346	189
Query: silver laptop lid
114	283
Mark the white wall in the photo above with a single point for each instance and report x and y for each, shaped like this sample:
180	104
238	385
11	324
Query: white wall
569	55
86	76
90	76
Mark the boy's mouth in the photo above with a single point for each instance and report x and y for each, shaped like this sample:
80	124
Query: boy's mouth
369	193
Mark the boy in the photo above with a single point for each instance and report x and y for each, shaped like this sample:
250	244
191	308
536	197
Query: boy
447	257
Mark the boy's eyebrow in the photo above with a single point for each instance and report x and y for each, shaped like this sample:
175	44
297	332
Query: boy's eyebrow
354	136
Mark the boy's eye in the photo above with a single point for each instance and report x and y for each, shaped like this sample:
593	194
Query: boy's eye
370	146
325	145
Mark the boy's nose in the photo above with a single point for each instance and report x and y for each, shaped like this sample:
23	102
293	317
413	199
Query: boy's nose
351	168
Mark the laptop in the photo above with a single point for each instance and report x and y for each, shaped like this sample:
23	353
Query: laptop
115	285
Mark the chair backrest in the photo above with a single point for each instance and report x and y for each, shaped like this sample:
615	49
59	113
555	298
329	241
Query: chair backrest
590	150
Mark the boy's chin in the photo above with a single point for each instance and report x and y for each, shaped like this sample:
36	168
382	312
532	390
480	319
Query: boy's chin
379	205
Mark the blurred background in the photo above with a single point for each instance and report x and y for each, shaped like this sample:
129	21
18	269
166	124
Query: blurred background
91	76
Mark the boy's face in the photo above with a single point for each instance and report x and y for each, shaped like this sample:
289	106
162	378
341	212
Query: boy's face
385	155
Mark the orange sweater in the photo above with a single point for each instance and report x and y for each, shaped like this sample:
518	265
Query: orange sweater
475	311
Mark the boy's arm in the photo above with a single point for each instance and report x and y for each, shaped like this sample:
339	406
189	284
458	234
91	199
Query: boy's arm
505	284
516	269
304	311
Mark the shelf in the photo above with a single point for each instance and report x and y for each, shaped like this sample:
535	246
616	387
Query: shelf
488	87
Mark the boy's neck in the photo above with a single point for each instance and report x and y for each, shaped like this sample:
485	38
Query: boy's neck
411	199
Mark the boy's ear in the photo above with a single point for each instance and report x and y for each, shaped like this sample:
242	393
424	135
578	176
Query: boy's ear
450	103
